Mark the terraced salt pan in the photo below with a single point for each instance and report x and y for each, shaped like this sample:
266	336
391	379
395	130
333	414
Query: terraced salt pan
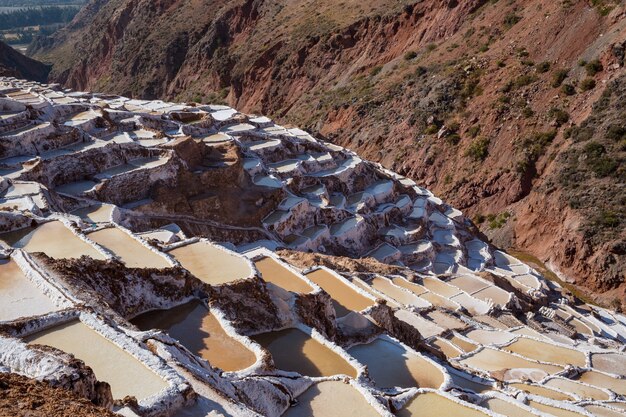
344	298
331	399
546	352
19	297
492	360
76	188
487	337
468	283
446	347
109	362
212	264
600	411
46	237
128	249
604	381
465	345
542	391
581	390
392	365
426	327
471	304
439	301
439	287
398	294
506	408
411	286
276	273
430	404
445	320
295	351
466	382
613	363
495	294
99	213
552	410
194	326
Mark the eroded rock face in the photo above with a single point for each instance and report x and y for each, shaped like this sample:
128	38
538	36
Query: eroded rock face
235	266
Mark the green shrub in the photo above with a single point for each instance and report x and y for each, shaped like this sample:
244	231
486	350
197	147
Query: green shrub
524	80
543	67
602	166
615	132
473	131
453	139
578	134
527	112
479	218
568	89
607	218
497	221
410	55
431	129
478	149
593	67
559	116
558	77
420	70
594	150
511	19
375	71
588	84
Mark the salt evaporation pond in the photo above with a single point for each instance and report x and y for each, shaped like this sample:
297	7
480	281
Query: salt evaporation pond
613	363
109	362
293	350
430	404
602	411
546	352
554	411
46	237
211	264
505	408
99	213
19	297
392	365
583	391
446	347
604	381
331	399
542	391
492	360
345	299
272	271
194	326
128	249
398	294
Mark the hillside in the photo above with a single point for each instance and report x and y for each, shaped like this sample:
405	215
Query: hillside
511	111
14	64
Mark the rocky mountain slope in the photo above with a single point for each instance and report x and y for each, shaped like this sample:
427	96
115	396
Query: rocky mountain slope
500	107
14	64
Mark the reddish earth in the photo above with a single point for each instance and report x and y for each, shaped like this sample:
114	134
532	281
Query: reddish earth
460	96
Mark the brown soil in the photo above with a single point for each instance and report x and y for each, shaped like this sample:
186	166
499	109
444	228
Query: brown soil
24	397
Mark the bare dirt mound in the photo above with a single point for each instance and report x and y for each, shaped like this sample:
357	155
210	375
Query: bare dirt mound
21	396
